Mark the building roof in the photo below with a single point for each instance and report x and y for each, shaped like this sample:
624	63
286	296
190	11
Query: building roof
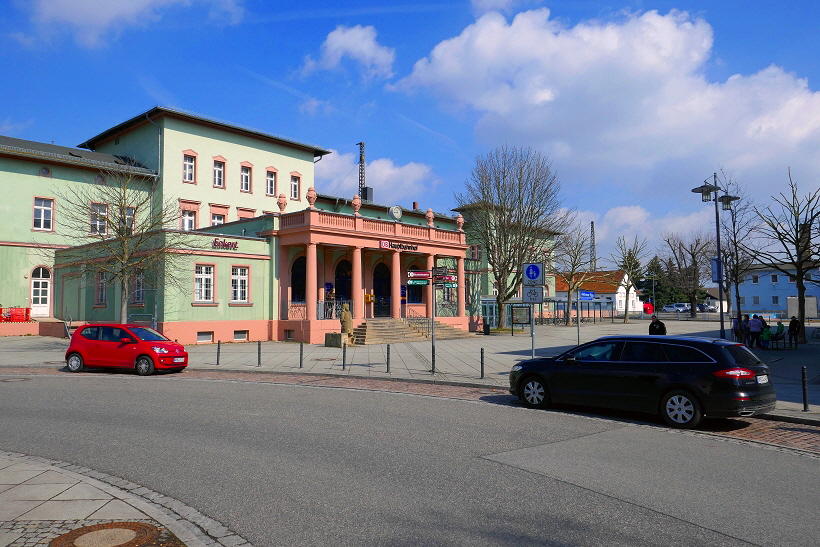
70	156
605	282
159	111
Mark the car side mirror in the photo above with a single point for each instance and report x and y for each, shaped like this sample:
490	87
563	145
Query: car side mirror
127	340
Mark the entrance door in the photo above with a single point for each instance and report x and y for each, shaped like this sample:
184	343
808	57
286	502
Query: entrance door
40	292
381	290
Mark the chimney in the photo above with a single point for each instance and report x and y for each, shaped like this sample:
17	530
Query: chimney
415	205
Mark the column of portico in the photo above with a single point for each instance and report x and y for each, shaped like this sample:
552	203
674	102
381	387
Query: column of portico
429	291
462	282
395	286
356	285
311	287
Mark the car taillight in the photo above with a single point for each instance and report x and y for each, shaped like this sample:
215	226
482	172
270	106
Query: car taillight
735	373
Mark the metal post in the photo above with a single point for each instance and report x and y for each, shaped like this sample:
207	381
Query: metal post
532	329
388	358
259	353
720	264
218	348
433	329
301	354
482	363
578	313
805	391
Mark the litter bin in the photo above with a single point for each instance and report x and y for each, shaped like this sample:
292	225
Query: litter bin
487	329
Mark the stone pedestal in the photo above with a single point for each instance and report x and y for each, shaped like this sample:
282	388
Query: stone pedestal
333	339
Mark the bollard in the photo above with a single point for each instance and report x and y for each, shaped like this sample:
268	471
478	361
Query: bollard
301	354
218	347
433	359
388	358
482	363
259	353
344	355
805	391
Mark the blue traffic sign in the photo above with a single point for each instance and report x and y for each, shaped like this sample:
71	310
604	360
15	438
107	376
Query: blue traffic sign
533	274
587	295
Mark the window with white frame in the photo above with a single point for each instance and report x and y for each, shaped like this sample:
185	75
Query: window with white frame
43	214
775	300
239	284
245	179
127	220
100	289
204	283
217	219
188	220
755	279
188	168
755	301
270	183
294	187
138	288
99	218
774	278
792	279
219	174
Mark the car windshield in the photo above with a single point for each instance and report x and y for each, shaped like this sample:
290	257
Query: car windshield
742	356
149	335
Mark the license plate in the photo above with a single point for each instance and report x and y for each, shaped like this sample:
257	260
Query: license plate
763	379
182	360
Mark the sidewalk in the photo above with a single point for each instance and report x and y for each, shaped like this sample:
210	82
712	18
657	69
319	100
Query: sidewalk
457	362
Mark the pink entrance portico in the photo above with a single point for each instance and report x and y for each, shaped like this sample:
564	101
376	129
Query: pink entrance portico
357	256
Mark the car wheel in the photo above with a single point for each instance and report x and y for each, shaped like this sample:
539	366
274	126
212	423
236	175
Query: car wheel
144	366
75	363
534	393
681	410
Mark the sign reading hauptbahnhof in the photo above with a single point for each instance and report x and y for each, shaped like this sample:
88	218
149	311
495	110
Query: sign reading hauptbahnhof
385	244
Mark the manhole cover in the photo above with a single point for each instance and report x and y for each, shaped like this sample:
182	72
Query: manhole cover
112	534
15	380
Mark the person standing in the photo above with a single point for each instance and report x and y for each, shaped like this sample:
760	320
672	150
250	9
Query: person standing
745	326
755	328
794	328
657	326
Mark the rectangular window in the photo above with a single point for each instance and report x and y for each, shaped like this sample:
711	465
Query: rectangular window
205	337
755	301
808	277
204	283
100	289
792	279
127	220
240	335
188	220
775	301
217	219
43	214
219	174
188	168
475	252
755	279
742	300
239	284
270	183
99	218
245	180
294	187
138	288
774	278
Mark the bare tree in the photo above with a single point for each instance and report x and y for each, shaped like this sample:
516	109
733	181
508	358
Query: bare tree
629	258
124	232
512	205
740	247
788	226
573	262
690	263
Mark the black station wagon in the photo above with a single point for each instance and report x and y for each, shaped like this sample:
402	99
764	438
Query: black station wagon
682	378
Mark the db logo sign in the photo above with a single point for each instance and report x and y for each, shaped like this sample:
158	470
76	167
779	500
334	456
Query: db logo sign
384	244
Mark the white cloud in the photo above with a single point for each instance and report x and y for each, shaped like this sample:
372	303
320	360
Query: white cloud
338	175
93	20
357	43
624	104
483	6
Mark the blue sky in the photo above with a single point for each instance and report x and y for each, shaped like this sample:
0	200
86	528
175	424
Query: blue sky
634	102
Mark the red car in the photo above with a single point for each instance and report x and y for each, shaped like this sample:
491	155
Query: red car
124	346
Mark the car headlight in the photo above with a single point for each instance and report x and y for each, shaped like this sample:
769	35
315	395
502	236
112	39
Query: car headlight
517	368
158	349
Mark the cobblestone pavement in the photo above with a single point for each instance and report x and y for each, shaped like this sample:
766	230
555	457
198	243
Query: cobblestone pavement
41	532
803	438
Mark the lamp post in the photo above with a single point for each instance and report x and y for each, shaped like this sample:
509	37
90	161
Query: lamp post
726	200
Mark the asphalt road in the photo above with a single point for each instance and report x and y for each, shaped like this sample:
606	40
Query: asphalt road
296	465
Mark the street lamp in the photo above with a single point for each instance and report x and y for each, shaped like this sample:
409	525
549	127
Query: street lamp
726	200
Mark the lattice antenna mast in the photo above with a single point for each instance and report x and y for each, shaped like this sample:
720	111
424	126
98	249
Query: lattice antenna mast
593	261
361	170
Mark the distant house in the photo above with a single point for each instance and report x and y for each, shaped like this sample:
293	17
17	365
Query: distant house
607	285
770	291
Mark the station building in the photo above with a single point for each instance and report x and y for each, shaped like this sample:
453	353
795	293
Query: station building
273	259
